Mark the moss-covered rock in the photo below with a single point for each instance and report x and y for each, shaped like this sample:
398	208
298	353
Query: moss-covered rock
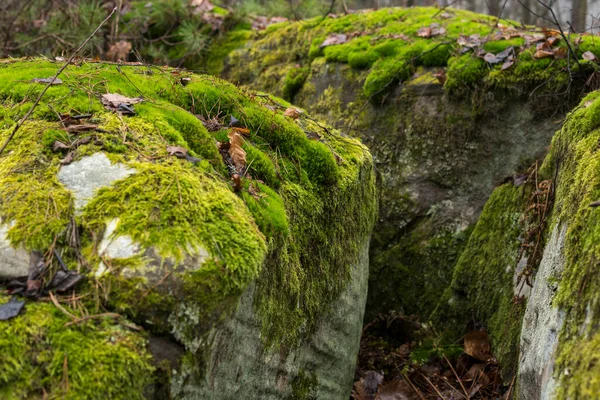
442	142
168	242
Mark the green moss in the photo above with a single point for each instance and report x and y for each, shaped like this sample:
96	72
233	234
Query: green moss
424	253
464	72
223	46
33	201
482	282
90	360
496	46
304	386
294	80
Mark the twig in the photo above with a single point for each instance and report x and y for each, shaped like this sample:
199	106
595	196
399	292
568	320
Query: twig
61	308
457	378
26	117
417	391
97	316
434	388
512	382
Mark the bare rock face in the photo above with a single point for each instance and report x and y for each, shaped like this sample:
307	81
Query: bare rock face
14	262
542	325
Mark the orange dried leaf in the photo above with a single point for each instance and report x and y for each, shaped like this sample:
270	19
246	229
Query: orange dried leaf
236	152
242	131
543	54
292	113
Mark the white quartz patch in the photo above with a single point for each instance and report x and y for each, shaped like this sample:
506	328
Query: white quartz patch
89	174
115	246
14	263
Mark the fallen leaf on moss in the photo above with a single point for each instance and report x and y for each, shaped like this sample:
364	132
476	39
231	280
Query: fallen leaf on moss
11	309
236	152
588	56
68	159
335	39
58	145
292	113
81	128
237	182
242	131
181	152
543	54
395	390
491	58
47	81
441	76
507	65
119	103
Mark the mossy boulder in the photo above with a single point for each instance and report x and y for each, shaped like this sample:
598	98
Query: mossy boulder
541	316
276	258
445	126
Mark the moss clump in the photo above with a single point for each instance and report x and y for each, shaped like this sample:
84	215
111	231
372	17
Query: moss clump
482	282
90	360
294	80
388	46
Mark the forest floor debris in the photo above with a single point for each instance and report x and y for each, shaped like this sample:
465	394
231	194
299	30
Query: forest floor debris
400	358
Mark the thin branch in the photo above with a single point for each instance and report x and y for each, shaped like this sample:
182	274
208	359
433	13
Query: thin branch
562	33
26	117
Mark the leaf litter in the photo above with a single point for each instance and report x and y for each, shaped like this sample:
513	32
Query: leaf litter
400	358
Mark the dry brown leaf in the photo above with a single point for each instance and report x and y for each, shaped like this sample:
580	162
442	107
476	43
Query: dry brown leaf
333	39
477	345
68	159
237	182
119	51
46	81
491	58
441	76
236	152
395	390
81	128
181	152
293	113
560	53
543	54
507	64
241	131
588	56
359	392
58	145
114	99
424	32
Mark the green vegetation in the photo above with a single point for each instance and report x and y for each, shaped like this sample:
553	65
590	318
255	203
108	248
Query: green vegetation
297	233
93	360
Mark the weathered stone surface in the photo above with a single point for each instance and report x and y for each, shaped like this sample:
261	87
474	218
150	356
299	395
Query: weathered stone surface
14	263
323	368
542	324
91	173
